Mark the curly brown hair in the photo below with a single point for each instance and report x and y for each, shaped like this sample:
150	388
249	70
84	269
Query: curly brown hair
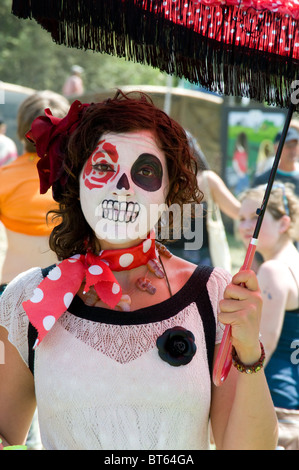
124	113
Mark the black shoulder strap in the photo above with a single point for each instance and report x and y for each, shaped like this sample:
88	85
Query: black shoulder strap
32	336
205	309
32	332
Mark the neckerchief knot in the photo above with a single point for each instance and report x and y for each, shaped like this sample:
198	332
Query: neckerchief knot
55	293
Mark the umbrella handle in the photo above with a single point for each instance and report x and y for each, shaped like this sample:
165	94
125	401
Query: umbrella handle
224	360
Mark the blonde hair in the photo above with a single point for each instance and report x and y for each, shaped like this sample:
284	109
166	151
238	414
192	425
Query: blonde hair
34	106
282	201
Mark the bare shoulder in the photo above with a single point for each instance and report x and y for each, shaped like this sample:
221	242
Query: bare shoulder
272	268
178	271
279	276
175	262
274	275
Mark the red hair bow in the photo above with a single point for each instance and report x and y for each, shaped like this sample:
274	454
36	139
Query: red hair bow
50	135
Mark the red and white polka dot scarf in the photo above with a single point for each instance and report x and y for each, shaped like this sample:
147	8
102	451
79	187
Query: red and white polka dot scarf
56	291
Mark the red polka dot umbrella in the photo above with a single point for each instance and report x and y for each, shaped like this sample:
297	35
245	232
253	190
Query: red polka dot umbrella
244	48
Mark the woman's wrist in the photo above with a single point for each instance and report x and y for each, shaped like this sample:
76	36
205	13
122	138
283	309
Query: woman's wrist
250	355
252	365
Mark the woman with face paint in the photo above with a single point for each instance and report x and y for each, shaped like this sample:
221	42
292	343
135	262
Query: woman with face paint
116	342
278	278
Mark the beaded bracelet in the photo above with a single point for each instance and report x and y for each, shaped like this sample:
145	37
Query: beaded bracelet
254	368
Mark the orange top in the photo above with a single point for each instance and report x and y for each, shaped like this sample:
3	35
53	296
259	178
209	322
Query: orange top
22	208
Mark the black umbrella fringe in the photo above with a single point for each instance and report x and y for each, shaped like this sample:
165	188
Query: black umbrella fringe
123	29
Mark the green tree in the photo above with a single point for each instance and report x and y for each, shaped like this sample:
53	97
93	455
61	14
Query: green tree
29	57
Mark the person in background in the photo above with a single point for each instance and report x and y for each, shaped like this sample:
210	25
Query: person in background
288	168
295	124
8	148
211	184
23	209
74	83
265	157
278	278
240	162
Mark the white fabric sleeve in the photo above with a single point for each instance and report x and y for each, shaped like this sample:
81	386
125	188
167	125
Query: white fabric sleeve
216	285
12	315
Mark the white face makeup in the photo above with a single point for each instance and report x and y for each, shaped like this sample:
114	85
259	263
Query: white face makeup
123	187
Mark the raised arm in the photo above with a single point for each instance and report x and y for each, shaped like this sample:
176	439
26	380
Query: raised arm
222	195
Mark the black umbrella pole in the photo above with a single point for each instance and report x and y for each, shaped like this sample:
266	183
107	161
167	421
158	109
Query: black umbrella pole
261	211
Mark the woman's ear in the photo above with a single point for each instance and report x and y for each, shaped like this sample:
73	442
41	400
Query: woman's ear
285	223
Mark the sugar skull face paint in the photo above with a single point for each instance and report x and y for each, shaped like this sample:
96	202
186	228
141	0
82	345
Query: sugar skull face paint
95	174
147	172
102	166
123	187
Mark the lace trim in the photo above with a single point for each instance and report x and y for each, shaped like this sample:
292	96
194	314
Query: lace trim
122	343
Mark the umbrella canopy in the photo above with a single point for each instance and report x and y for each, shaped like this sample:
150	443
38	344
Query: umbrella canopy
234	47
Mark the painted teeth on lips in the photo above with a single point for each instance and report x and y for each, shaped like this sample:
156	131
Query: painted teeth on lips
120	211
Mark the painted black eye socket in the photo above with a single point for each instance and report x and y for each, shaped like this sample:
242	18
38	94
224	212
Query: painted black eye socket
147	172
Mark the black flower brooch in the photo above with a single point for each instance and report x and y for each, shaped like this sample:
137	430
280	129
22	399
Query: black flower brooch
176	346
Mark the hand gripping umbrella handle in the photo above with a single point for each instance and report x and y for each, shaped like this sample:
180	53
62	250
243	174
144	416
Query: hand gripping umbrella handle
224	358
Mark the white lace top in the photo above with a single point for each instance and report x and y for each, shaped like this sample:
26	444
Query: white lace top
100	382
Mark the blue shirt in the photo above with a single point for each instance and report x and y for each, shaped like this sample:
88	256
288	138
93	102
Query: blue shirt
282	371
282	176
